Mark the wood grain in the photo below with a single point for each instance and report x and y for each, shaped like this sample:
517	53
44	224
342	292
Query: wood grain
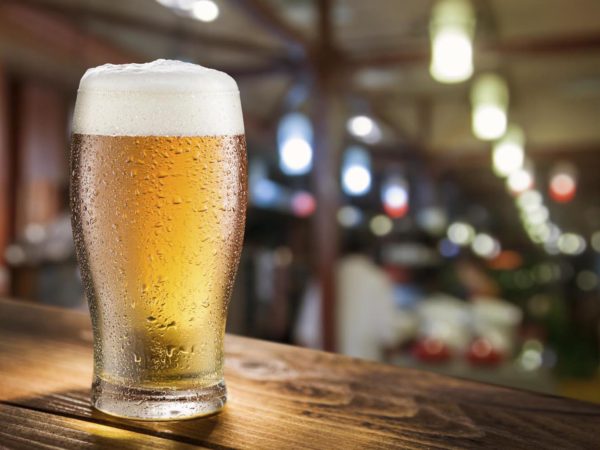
26	429
280	397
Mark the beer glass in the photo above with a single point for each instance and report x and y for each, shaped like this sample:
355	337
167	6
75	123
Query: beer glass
158	199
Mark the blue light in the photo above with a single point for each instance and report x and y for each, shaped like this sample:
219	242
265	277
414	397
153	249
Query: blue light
264	192
356	171
448	249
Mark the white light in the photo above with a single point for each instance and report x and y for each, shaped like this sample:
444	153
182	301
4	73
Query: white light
451	31
294	140
529	200
461	233
356	172
169	3
536	216
489	122
508	157
587	280
452	56
185	5
395	196
349	216
519	181
489	99
485	246
381	225
360	126
296	156
508	154
365	128
539	233
531	360
374	136
571	244
356	180
205	10
545	233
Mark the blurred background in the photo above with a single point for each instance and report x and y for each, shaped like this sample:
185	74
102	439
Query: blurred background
423	175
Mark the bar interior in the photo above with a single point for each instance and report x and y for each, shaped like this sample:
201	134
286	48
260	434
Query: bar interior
423	193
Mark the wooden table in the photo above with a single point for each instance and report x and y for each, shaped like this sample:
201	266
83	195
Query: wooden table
280	397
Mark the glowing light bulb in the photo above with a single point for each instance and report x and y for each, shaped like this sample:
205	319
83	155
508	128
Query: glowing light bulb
356	171
364	128
489	99
508	154
521	180
294	139
303	204
451	31
529	200
381	225
563	182
205	10
461	233
360	125
485	246
296	157
394	195
571	244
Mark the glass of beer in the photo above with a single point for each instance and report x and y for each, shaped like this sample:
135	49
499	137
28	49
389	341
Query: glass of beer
158	198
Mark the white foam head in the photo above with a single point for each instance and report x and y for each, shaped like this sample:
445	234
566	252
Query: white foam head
161	98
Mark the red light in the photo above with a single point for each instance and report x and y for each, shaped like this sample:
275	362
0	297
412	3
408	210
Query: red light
506	260
303	204
562	188
431	350
482	352
396	211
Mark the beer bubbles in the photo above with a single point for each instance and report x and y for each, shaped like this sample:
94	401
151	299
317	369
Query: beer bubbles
159	198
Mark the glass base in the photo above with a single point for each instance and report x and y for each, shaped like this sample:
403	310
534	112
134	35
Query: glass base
157	404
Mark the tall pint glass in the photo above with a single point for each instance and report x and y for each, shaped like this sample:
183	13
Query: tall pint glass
158	198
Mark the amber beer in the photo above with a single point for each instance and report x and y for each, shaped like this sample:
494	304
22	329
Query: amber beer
158	198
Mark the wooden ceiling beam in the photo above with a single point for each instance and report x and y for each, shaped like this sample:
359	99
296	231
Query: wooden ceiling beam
61	47
270	20
79	12
475	169
527	46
